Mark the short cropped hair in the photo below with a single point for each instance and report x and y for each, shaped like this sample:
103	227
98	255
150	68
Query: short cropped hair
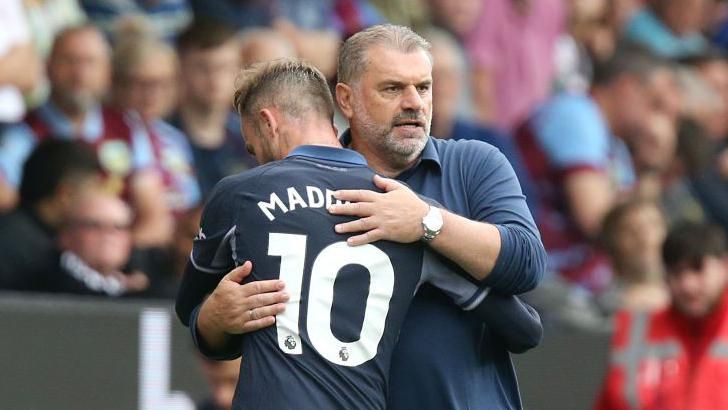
629	58
53	162
353	58
293	86
204	34
689	243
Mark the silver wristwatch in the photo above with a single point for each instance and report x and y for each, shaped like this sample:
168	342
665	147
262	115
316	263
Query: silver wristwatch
431	224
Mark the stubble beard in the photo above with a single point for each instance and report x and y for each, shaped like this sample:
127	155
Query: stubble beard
397	151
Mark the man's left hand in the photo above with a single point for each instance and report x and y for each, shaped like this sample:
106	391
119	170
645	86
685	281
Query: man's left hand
394	215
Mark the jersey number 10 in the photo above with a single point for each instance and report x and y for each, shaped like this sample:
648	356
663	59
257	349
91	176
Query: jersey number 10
292	250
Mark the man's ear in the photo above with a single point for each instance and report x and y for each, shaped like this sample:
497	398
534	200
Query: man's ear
344	95
269	122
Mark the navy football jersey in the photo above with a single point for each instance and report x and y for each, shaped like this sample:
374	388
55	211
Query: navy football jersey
331	348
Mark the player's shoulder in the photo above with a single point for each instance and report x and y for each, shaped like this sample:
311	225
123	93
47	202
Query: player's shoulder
249	176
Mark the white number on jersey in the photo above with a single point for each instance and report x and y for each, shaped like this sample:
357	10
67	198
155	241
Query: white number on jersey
326	266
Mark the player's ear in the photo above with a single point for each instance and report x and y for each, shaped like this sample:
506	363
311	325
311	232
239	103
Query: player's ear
269	121
344	96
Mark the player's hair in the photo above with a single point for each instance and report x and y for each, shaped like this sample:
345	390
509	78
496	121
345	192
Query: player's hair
204	34
353	54
293	86
54	162
629	58
689	243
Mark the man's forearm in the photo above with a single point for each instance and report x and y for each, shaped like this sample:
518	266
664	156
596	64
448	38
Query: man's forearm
517	324
509	258
472	245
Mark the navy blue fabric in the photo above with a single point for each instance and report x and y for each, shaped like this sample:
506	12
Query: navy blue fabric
271	378
447	358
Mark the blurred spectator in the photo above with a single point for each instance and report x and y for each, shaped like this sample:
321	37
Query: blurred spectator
19	73
694	152
457	17
713	69
222	377
633	234
320	47
448	73
210	59
79	72
264	44
653	155
46	18
574	148
410	13
96	243
314	27
145	76
53	176
698	190
166	17
591	27
675	358
511	49
702	102
670	28
345	17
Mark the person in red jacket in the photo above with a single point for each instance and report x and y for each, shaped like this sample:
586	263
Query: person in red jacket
676	358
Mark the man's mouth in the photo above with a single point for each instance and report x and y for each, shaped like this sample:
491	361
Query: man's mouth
410	124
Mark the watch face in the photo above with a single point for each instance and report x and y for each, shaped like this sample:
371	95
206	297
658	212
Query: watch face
433	220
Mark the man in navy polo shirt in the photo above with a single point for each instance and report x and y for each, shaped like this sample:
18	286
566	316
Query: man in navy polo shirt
445	358
332	345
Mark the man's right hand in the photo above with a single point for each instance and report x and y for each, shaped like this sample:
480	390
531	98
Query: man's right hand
234	308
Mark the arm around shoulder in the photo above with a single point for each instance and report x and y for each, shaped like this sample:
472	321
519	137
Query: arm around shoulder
517	324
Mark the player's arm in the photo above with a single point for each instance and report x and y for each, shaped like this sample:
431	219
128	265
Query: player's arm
233	309
217	321
500	246
514	322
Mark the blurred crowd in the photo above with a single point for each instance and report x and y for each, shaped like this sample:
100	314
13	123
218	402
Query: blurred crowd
116	122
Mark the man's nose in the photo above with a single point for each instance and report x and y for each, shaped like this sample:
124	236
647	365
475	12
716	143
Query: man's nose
411	99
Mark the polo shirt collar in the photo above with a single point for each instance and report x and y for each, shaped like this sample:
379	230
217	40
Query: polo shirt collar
343	155
429	154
